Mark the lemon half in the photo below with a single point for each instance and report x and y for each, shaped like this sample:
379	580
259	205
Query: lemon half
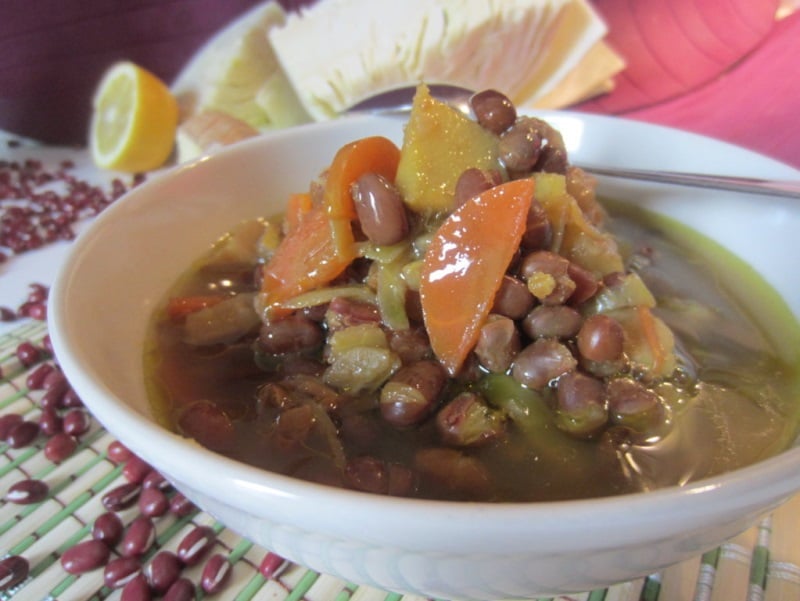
134	120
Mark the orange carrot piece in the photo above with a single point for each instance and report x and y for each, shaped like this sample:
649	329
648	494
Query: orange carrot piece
374	154
181	306
305	259
464	266
297	207
647	321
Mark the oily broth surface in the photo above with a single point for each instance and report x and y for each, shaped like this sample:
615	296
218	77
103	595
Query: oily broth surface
744	410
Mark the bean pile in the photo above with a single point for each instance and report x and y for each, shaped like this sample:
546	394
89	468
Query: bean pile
41	205
125	552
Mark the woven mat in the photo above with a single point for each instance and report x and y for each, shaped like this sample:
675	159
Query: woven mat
760	564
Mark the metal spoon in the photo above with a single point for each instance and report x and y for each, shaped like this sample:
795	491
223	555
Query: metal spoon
398	101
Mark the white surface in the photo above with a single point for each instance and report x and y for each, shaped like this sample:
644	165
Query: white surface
448	550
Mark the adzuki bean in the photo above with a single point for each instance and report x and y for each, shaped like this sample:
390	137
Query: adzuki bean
181	590
493	110
85	556
121	497
27	492
108	528
195	544
216	574
118	572
138	538
14	570
22	434
136	590
153	502
162	571
60	447
380	209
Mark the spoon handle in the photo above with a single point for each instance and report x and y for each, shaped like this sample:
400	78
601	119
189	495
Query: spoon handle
782	188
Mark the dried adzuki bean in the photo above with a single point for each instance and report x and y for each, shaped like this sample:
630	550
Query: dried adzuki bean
180	505
272	565
118	452
380	209
60	447
71	399
85	556
216	574
108	527
77	422
195	544
155	479
22	434
50	422
14	570
138	538
162	571
153	503
120	571
121	497
28	354
53	398
28	491
136	590
35	379
493	110
136	469
8	421
181	590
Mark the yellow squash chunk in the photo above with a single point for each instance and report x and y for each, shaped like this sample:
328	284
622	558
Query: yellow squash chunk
440	143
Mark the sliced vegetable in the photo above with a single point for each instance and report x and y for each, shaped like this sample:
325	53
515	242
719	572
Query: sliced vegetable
439	144
464	267
297	208
305	259
374	154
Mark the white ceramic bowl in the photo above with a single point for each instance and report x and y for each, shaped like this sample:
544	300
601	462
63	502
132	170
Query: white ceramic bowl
121	266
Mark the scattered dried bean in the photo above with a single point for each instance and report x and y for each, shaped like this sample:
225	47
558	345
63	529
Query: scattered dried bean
85	556
108	527
139	537
60	446
163	571
13	570
122	496
195	544
216	574
120	571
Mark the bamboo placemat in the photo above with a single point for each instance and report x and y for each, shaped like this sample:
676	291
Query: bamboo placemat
762	564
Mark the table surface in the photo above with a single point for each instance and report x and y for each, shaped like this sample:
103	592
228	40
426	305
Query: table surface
753	104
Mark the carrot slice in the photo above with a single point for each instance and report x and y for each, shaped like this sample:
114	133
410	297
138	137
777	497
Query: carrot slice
297	207
464	266
374	154
305	259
